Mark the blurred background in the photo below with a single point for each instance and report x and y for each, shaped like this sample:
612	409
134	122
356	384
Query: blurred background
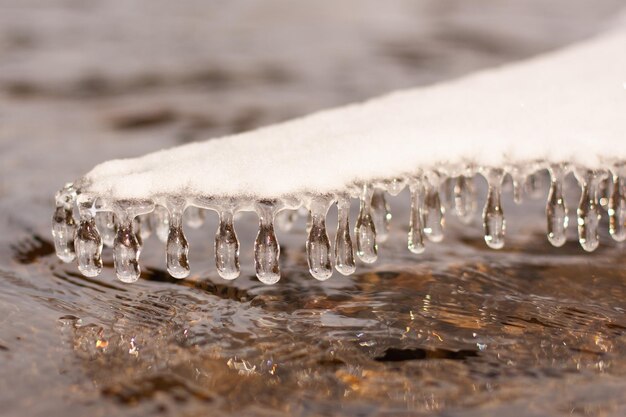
465	331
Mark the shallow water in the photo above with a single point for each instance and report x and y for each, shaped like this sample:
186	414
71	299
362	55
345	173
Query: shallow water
461	330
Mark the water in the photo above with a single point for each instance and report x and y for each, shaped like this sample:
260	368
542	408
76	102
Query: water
459	329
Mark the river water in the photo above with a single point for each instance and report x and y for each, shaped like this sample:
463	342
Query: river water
458	331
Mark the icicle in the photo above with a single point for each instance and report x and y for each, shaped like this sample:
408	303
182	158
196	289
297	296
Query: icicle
433	211
617	208
226	247
194	217
447	193
604	193
105	222
365	230
395	186
63	224
588	209
556	210
88	243
416	221
493	217
177	248
159	223
144	226
464	198
286	219
344	254
519	177
126	247
380	215
317	243
266	248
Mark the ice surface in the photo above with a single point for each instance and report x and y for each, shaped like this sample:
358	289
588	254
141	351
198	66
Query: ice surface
567	106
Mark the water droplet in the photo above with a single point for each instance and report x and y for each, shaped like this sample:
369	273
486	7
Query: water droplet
88	243
317	243
266	248
105	222
226	247
344	253
433	212
159	220
464	198
493	217
617	209
556	210
588	210
64	225
395	186
416	219
194	217
126	250
365	230
381	215
177	248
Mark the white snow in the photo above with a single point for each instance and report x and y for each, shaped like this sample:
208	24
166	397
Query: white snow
568	106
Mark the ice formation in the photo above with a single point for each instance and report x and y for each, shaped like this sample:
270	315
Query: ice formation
564	112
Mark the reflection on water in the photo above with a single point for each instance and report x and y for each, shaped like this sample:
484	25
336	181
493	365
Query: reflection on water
530	330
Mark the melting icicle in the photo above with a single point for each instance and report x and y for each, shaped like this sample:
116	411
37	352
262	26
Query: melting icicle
416	221
433	211
344	254
317	243
63	224
381	215
365	230
588	210
556	210
105	222
177	248
194	217
447	193
126	247
464	198
88	243
226	247
493	217
266	248
617	208
159	220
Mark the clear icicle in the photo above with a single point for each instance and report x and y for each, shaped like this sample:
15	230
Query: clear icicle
493	217
365	230
105	222
266	248
88	243
159	220
588	209
416	220
226	247
126	247
381	215
177	248
64	225
317	243
126	251
556	210
464	198
194	217
617	209
344	253
433	212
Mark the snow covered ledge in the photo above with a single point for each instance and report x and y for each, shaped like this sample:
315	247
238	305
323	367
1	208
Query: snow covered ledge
564	111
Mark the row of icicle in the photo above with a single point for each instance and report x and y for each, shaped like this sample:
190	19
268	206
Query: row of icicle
124	224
